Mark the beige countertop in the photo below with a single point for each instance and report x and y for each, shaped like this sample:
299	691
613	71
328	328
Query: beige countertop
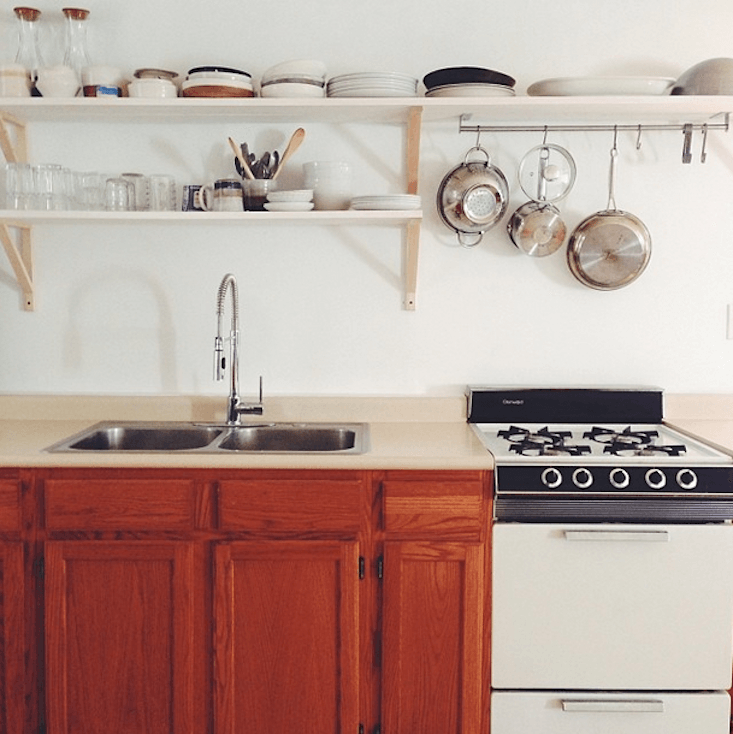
405	433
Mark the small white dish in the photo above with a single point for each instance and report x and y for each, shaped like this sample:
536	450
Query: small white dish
289	206
291	195
471	90
292	89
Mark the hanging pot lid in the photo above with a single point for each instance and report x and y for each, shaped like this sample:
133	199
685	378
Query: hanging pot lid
547	173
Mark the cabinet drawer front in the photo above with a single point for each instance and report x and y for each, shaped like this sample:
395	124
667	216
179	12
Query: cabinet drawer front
448	509
309	508
9	505
135	504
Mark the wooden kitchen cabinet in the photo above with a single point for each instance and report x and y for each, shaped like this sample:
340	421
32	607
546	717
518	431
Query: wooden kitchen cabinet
222	601
119	637
435	612
286	638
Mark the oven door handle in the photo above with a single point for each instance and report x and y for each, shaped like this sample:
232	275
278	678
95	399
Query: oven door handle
630	705
647	536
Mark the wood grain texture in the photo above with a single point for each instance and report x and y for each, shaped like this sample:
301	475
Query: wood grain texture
434	619
429	508
153	503
9	505
315	508
286	637
119	656
12	639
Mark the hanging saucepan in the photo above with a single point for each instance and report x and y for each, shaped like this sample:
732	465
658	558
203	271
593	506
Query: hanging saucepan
536	227
473	197
609	249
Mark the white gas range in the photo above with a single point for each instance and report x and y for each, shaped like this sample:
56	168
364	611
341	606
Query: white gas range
612	567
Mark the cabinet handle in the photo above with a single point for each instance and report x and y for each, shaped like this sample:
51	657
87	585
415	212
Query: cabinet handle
631	705
649	536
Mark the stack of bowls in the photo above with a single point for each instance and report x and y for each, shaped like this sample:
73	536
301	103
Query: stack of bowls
468	81
302	78
217	81
155	83
372	84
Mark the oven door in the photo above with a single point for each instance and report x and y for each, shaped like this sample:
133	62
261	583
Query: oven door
610	713
624	607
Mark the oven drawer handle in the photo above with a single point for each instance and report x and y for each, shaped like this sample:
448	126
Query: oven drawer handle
631	705
648	536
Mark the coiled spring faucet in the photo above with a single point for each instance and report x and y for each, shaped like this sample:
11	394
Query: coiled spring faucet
234	408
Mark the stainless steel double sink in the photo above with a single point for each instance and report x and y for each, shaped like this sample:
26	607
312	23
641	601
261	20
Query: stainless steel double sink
191	437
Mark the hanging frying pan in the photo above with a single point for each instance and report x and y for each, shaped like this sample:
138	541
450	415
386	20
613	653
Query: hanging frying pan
609	249
546	175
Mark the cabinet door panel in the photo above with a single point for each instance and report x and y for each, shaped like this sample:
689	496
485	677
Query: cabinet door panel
9	505
286	638
119	637
435	680
12	639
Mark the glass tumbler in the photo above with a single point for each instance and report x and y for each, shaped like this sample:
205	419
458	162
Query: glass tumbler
19	186
119	195
162	193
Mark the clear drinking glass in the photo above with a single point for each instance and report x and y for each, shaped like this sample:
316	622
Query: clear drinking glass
119	195
162	193
141	189
18	185
51	187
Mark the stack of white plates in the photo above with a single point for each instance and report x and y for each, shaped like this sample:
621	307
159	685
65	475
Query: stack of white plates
393	202
292	200
372	84
471	90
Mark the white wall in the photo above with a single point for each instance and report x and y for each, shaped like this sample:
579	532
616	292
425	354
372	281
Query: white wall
130	309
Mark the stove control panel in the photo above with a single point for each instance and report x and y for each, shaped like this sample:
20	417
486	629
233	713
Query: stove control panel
604	479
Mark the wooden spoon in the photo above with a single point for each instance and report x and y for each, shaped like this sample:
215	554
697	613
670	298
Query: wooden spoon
242	161
294	143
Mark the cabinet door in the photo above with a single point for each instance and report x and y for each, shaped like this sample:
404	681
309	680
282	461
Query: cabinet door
119	637
435	677
12	638
286	637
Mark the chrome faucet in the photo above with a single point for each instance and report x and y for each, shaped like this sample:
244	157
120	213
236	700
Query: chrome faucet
234	408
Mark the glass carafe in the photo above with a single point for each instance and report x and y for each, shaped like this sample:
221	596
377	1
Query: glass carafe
29	53
76	54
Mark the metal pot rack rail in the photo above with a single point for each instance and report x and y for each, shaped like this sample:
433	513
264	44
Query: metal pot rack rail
687	129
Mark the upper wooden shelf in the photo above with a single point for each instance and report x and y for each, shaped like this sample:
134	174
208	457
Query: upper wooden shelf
495	110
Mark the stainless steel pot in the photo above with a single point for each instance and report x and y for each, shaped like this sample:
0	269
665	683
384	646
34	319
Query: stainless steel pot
536	227
609	249
473	197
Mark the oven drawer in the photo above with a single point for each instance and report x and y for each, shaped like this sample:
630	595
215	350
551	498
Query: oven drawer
606	713
612	607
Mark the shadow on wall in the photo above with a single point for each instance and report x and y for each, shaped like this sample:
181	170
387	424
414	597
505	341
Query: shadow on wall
120	326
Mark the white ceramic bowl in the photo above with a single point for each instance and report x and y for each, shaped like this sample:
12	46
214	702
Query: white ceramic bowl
300	67
152	88
714	76
292	89
220	75
290	196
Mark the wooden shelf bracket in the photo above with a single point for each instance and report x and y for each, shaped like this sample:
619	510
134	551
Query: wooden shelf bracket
20	254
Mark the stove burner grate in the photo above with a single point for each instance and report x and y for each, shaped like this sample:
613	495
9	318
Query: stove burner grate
632	443
543	442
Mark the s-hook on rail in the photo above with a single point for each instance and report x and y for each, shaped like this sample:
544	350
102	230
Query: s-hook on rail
686	128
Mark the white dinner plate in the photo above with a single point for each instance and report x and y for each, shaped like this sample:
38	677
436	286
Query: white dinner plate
471	90
600	85
393	202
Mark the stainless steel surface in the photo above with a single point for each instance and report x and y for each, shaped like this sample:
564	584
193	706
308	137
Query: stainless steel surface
473	197
609	249
291	438
234	408
175	437
537	229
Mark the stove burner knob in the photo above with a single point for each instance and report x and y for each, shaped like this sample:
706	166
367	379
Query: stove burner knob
582	478
619	478
551	478
687	479
655	478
